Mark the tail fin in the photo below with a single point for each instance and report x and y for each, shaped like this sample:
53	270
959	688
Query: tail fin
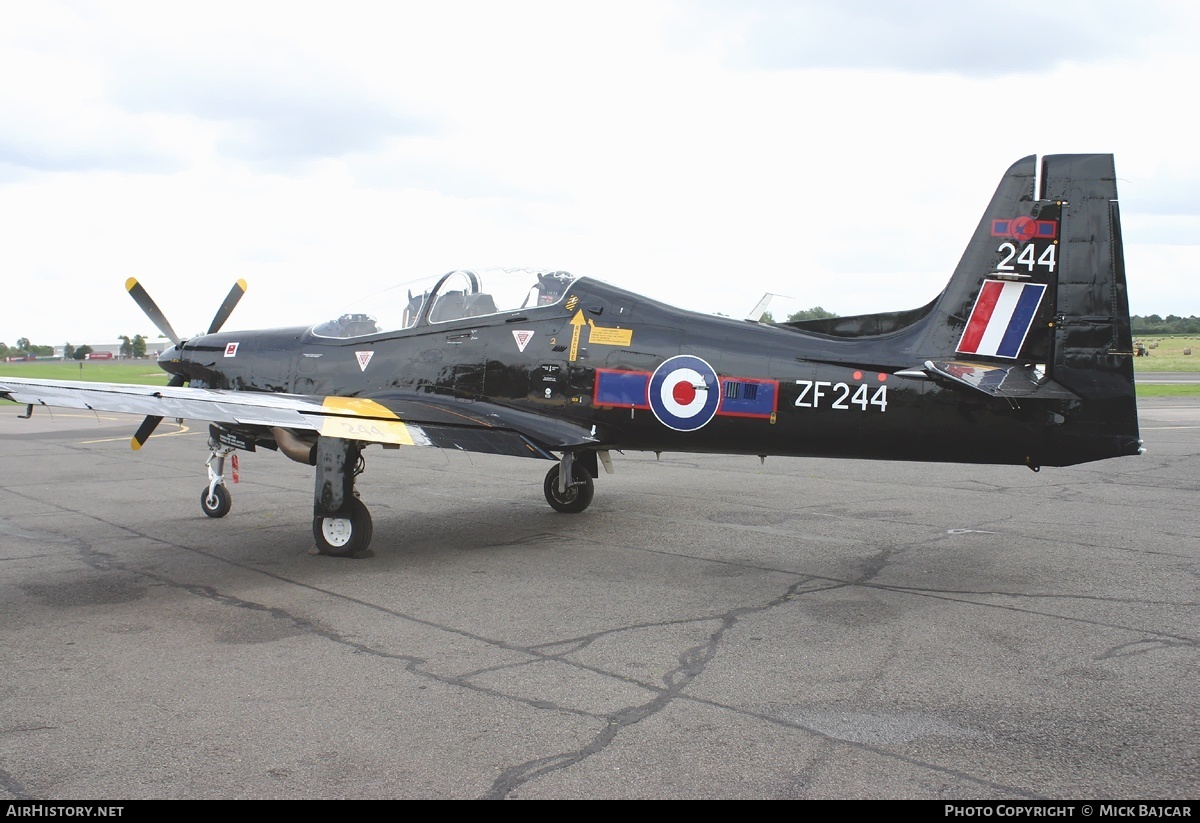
1037	308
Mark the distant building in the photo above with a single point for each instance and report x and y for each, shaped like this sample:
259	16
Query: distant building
115	348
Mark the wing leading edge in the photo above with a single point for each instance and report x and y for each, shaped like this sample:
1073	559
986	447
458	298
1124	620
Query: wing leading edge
392	419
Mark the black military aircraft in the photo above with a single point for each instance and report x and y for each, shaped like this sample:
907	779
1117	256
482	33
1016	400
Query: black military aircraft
1025	358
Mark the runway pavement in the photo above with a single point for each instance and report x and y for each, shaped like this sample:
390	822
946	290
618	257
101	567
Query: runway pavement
1186	377
710	628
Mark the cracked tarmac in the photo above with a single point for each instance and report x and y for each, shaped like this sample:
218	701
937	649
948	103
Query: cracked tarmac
710	628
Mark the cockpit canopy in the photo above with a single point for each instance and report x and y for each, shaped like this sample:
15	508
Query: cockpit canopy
456	295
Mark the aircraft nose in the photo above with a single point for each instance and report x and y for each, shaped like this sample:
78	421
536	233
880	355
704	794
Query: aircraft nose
172	361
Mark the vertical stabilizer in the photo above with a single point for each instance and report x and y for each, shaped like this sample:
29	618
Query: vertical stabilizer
1037	310
999	305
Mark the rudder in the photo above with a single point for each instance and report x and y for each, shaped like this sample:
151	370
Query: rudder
1092	347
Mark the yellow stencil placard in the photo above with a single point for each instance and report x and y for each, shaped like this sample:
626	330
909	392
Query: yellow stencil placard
603	336
364	420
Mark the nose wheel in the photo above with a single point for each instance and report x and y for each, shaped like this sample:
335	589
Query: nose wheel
215	502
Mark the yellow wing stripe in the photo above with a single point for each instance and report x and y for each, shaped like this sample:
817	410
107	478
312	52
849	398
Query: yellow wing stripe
376	423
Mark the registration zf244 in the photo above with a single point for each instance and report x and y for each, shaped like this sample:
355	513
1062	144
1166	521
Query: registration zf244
844	396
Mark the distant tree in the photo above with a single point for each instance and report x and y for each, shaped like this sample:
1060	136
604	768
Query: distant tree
139	346
68	351
126	345
815	313
4	350
766	317
25	348
1172	324
82	352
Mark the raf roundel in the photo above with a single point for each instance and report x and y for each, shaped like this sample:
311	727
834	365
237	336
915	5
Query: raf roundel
684	393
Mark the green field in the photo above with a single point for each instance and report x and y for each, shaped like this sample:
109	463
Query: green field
1166	354
143	372
1160	390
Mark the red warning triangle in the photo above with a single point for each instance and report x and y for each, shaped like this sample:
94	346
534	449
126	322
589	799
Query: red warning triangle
522	337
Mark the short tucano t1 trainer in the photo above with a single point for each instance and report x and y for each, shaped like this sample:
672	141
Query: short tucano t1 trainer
1025	359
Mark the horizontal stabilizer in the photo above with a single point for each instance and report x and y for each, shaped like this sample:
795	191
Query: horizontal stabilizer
999	380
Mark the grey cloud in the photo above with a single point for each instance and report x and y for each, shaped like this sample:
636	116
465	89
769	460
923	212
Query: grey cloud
935	36
1161	230
39	155
280	114
1163	195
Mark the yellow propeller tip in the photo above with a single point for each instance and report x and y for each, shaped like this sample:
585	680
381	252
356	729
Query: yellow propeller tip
134	443
130	283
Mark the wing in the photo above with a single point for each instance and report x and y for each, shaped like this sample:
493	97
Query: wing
396	419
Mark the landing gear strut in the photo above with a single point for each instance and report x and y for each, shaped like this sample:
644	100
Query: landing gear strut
341	523
569	497
215	500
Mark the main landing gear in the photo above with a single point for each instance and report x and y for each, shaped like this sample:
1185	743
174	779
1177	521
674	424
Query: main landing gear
344	536
576	495
341	523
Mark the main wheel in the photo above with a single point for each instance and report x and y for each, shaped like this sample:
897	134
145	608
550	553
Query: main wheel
578	495
344	536
219	504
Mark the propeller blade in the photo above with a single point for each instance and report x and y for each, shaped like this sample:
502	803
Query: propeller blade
151	422
231	300
152	311
144	431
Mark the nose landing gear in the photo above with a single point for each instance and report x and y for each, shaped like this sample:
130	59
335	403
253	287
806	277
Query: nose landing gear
215	499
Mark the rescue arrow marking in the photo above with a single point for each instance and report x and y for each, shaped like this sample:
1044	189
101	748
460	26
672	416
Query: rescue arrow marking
578	323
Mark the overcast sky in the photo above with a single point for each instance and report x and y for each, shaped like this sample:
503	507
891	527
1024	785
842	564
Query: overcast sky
836	151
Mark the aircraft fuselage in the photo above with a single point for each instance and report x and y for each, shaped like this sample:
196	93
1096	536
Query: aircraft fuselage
638	371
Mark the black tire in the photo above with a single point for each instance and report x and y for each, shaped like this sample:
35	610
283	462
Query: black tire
344	536
219	505
579	494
